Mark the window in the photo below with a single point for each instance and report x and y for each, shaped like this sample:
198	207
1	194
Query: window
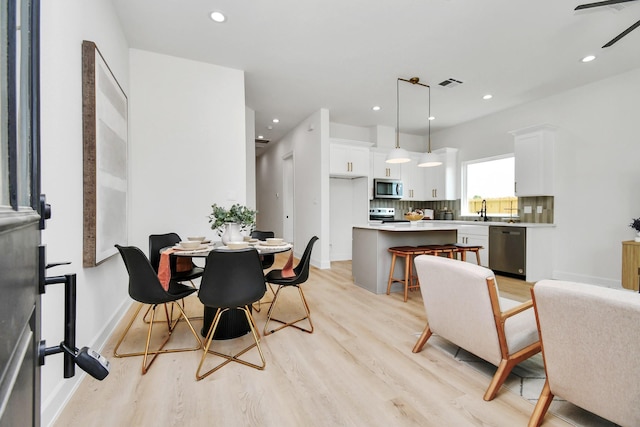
18	87
491	179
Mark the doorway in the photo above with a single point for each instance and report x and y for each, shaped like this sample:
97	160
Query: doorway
288	198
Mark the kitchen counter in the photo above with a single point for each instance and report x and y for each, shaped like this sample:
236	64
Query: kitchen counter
448	223
371	259
497	223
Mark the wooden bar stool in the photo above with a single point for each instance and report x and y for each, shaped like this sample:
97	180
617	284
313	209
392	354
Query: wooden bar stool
410	280
447	250
463	249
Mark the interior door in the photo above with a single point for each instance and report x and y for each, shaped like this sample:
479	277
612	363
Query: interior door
288	198
20	223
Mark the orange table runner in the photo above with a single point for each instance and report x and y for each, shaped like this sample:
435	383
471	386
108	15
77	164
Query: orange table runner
287	270
164	268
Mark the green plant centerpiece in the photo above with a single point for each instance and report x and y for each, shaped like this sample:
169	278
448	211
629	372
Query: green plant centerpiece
236	214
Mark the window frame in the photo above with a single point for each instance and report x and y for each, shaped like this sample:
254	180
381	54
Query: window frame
464	203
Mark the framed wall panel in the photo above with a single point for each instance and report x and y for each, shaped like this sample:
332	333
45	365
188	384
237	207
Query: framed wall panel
105	136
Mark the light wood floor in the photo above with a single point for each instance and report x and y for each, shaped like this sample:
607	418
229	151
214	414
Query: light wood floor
356	369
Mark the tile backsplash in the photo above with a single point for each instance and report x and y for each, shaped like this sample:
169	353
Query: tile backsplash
538	209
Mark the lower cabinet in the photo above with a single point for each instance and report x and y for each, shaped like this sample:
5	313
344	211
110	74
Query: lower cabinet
475	235
630	264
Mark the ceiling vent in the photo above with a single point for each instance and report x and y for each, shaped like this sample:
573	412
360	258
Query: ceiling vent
450	82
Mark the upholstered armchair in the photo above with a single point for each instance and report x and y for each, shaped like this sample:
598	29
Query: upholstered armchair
464	307
591	349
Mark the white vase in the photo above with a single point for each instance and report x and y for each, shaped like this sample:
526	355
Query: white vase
231	233
637	239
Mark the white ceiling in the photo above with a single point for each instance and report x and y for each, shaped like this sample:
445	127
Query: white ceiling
346	55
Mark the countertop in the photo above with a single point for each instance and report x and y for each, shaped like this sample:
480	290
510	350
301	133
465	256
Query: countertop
444	225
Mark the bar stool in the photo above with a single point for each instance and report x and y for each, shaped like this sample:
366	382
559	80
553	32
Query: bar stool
410	280
463	249
447	250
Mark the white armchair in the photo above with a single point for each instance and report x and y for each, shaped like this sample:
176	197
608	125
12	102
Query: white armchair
463	306
591	348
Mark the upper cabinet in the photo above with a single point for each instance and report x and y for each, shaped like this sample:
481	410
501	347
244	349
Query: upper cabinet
349	159
413	181
534	160
381	169
441	181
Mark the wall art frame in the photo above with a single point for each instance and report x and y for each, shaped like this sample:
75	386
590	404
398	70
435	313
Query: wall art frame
105	138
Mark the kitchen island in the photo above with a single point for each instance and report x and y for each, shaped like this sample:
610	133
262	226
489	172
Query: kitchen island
371	260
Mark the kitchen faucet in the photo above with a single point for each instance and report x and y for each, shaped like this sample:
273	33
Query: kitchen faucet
483	211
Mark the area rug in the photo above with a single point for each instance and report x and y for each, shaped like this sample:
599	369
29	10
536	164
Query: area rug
527	380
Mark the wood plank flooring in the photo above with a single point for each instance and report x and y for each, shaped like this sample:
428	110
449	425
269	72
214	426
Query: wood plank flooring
356	369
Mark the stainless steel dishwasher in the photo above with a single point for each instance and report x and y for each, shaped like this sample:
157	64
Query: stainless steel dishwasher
508	250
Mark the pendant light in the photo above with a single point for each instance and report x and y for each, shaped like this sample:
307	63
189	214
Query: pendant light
429	159
398	155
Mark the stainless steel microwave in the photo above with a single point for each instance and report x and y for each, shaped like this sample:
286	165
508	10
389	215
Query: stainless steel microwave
387	189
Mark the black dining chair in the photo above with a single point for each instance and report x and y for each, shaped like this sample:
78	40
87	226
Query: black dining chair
267	260
232	280
157	242
301	274
145	288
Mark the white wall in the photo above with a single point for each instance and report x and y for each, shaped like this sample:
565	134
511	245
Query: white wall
250	156
597	173
309	143
187	150
102	291
187	144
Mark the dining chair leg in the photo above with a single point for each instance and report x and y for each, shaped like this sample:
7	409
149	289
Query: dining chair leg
170	328
266	330
259	306
230	357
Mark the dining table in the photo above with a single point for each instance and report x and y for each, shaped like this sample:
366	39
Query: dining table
233	323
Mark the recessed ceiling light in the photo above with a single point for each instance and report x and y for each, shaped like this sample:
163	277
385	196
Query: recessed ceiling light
588	58
269	127
260	136
432	118
376	108
276	120
218	17
487	96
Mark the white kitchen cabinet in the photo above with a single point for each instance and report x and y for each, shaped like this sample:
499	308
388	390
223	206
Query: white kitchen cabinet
349	159
475	235
441	181
381	169
413	179
534	161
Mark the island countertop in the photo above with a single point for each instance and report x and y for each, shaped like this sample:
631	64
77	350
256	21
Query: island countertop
371	259
445	225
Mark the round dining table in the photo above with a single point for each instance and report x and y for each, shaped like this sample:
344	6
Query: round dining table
233	323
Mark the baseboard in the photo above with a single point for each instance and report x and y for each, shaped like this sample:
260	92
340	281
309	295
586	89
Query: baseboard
591	280
55	403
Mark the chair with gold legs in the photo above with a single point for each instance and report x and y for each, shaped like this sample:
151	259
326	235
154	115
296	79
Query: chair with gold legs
301	274
145	287
267	260
232	280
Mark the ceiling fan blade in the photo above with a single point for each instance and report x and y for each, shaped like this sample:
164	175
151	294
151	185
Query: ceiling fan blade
622	34
600	3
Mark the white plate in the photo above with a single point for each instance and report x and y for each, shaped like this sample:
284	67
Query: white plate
265	243
273	247
197	248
